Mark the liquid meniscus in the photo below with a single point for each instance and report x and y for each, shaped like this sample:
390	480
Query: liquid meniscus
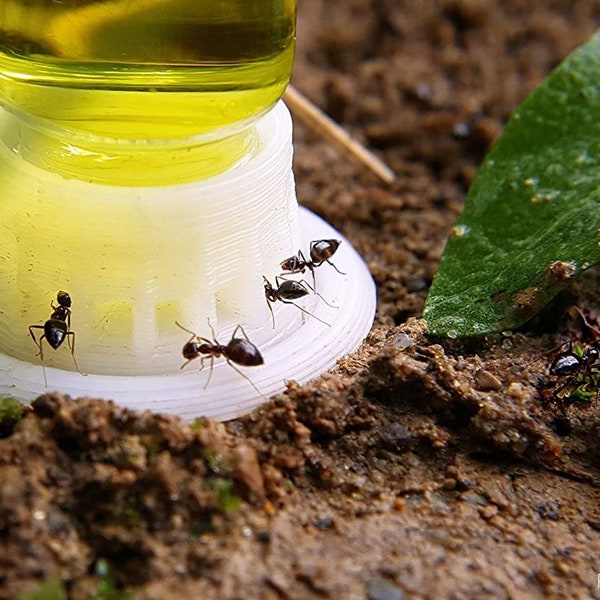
89	64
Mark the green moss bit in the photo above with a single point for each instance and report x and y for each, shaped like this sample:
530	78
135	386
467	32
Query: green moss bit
51	589
107	587
11	411
227	500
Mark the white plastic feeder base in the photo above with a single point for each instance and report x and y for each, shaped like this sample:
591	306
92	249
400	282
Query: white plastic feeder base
137	259
302	351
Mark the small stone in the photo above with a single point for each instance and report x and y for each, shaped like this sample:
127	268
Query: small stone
402	341
489	511
399	504
396	437
450	483
322	523
382	589
486	382
472	497
452	471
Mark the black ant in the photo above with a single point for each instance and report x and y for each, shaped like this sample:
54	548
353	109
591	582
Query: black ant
239	350
285	292
580	366
320	251
56	329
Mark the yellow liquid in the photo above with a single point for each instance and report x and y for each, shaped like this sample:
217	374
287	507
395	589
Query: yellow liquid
146	69
132	97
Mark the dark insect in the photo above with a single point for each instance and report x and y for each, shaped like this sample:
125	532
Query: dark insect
56	329
285	291
239	350
320	251
579	367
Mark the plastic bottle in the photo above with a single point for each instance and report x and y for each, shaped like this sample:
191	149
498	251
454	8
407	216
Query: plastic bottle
89	64
146	170
125	128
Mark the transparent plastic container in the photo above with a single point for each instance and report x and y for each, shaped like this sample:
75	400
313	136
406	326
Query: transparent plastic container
125	128
146	170
89	64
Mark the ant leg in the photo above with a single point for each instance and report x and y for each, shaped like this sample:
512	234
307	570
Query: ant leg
325	301
595	330
246	378
304	282
41	355
42	361
212	363
187	362
72	346
594	375
311	266
272	313
243	333
68	321
563	393
33	337
304	311
330	263
212	330
194	335
40	351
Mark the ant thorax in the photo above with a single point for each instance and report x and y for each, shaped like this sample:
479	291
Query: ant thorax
295	264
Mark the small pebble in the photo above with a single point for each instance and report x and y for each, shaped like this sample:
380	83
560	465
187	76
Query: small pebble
489	511
486	382
449	483
401	340
323	523
382	589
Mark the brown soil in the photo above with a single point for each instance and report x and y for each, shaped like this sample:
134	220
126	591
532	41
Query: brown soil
433	470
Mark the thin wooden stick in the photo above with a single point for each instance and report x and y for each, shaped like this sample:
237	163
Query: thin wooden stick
318	121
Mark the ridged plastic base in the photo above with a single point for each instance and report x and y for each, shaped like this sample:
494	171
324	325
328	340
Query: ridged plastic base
301	351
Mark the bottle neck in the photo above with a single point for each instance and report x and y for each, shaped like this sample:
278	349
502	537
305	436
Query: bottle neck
73	153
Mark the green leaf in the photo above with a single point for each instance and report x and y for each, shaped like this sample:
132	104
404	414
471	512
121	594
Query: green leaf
531	220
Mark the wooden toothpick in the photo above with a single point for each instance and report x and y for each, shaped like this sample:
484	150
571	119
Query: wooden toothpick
314	118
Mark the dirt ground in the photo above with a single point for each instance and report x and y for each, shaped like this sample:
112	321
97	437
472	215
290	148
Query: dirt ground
419	468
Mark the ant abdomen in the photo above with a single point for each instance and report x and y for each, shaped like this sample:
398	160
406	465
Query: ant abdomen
244	353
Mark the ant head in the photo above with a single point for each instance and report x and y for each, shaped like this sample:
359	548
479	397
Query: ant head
191	350
591	355
63	299
269	290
